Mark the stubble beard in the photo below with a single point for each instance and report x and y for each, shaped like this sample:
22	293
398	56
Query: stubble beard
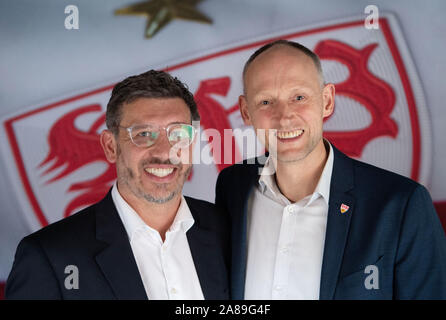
127	177
301	155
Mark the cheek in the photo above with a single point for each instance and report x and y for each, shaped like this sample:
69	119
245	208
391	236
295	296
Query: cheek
187	169
262	119
130	173
180	156
313	116
128	158
124	169
186	156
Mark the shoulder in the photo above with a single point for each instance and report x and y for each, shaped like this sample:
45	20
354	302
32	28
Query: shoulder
367	177
247	168
70	231
377	178
205	212
42	256
199	205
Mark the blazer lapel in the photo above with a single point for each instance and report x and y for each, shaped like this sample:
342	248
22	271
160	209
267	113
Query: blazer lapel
208	257
208	263
340	210
240	229
116	260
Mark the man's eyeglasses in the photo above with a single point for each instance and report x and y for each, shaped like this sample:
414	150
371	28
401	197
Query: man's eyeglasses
145	135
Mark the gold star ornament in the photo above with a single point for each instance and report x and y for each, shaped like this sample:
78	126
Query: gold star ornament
161	12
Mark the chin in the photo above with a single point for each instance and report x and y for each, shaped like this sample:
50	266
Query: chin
160	198
291	155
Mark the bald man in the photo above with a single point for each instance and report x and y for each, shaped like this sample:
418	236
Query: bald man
308	222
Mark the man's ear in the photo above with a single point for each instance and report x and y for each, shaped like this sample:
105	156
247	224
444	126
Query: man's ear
243	104
109	145
328	96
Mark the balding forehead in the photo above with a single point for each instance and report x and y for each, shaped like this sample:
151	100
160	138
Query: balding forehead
279	49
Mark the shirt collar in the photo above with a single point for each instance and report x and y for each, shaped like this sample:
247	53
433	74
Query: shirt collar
183	218
267	179
133	222
323	185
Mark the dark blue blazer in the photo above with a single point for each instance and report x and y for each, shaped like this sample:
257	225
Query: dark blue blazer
95	241
391	223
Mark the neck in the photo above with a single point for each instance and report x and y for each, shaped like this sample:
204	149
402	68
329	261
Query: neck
298	179
158	216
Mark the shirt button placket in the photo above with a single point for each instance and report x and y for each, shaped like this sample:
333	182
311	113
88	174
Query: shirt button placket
165	269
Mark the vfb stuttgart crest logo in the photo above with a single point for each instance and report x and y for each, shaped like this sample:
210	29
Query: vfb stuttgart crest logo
57	165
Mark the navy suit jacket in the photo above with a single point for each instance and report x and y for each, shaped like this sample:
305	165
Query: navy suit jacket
95	241
391	223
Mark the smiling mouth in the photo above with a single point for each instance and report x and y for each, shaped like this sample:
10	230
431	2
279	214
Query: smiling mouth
283	135
160	172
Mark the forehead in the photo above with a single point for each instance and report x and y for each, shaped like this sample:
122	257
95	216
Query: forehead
161	111
281	65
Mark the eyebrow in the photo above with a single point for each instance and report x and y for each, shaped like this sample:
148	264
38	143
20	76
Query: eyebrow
266	92
146	124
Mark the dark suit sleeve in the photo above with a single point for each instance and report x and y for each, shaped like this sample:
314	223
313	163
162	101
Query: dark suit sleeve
32	276
220	193
420	267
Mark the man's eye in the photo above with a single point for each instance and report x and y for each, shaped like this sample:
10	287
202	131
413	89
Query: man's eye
264	102
299	98
145	134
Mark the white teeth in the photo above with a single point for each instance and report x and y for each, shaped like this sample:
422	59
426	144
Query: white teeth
159	172
289	134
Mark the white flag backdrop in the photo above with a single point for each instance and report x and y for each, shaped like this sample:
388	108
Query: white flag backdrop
53	79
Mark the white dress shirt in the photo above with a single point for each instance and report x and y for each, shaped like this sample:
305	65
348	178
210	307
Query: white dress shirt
167	269
286	240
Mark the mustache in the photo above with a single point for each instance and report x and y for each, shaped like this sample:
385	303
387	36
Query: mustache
155	160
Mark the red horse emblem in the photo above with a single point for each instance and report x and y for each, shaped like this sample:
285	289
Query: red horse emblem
364	87
72	149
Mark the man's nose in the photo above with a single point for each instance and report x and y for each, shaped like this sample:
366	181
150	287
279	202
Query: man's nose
161	147
283	113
